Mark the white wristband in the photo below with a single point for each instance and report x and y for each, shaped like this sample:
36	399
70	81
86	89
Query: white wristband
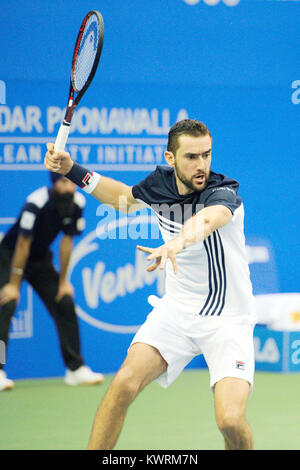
92	183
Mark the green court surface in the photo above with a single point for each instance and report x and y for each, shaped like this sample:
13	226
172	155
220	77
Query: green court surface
46	414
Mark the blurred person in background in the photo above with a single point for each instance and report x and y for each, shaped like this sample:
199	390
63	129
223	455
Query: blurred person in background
25	254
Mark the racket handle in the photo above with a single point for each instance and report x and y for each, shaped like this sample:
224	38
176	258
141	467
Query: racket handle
62	137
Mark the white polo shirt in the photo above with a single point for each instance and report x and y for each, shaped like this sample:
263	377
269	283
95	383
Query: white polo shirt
213	276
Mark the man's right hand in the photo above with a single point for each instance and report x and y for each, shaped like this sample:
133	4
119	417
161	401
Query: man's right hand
9	292
59	162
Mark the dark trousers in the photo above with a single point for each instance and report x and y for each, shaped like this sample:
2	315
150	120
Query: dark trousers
43	277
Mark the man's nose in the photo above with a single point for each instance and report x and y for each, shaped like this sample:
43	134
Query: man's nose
200	164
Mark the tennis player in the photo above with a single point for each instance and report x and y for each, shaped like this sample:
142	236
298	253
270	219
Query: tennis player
208	305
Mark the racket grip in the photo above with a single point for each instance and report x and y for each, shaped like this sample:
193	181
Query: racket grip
62	137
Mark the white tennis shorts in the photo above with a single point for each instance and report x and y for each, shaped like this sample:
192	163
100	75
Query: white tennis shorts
226	342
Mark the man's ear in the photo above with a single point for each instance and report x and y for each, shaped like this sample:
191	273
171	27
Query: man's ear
170	158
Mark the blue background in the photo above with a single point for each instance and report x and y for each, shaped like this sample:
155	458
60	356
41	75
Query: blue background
231	67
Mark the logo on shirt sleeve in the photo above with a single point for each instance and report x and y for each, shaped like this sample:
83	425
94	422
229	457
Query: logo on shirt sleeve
224	188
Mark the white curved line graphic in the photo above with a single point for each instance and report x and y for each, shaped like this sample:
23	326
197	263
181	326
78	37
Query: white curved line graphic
84	248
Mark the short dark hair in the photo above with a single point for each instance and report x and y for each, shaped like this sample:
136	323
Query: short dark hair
185	127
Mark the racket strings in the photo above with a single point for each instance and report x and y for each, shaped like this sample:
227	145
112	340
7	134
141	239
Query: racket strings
86	53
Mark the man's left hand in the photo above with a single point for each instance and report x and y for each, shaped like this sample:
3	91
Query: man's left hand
162	253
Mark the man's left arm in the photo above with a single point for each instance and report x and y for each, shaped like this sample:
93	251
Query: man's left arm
65	251
195	230
202	224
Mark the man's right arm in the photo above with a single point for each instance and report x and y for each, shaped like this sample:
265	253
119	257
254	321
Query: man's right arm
115	193
108	191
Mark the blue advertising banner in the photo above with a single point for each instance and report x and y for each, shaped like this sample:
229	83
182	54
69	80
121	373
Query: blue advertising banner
231	64
276	351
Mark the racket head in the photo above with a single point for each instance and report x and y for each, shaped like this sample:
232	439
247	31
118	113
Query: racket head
87	52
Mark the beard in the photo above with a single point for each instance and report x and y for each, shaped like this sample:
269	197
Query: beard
189	182
63	203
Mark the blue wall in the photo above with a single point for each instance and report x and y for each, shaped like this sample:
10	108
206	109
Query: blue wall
234	67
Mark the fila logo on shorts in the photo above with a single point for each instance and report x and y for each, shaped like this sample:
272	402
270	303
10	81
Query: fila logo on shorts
240	365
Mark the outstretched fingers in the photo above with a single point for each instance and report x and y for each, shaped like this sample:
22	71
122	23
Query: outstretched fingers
160	255
145	249
174	262
152	256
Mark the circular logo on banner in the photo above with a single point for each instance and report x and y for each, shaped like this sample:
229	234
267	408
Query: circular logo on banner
109	274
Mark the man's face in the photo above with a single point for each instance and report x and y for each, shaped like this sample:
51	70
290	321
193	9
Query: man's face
191	163
63	196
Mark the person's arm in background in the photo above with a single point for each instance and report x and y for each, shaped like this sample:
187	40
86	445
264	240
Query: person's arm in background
11	290
65	251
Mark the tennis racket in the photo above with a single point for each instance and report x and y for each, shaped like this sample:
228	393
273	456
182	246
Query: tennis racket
85	61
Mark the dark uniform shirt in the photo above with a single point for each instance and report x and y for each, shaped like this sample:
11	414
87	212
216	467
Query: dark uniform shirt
40	219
